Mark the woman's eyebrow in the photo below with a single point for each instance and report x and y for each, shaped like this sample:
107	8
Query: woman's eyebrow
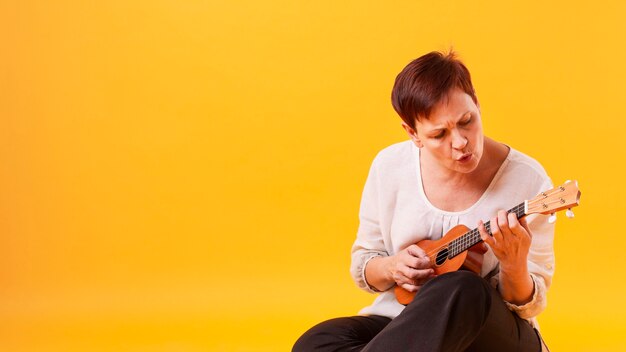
436	131
464	114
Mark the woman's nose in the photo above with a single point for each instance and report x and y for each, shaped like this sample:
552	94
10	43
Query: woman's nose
458	140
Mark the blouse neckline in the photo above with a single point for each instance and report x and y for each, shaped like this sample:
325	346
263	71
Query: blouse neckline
422	193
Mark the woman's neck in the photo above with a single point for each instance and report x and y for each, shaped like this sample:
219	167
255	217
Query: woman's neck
494	154
456	191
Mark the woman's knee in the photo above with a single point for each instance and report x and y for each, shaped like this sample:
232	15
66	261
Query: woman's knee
462	284
316	335
463	279
340	333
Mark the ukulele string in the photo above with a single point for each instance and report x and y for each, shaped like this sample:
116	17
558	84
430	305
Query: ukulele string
466	236
532	202
437	249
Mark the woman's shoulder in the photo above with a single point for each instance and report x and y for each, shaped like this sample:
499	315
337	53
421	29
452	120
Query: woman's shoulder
521	160
395	162
527	169
396	152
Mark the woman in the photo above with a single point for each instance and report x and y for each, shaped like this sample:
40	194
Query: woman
448	173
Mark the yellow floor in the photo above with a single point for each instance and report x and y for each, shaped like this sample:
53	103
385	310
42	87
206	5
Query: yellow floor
258	333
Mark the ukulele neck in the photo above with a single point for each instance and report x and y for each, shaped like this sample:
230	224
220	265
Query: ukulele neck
472	237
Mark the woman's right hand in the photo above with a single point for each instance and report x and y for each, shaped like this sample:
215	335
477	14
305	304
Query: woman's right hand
411	268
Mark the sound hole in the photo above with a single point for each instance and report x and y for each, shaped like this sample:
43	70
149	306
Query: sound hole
441	256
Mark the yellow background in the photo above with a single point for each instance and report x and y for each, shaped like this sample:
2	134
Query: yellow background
186	175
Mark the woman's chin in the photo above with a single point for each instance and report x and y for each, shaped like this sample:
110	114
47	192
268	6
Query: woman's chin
466	165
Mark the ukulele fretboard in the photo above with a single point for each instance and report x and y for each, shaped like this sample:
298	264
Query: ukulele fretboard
472	237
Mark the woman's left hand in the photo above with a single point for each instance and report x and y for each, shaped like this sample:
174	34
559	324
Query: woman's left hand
510	241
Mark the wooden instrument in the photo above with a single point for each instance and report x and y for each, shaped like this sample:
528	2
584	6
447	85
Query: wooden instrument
463	247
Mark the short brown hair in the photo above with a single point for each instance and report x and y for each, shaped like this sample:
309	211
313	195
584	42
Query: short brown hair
425	81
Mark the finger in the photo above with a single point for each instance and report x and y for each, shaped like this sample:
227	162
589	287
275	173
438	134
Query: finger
424	263
410	287
412	275
419	258
515	226
416	251
496	234
416	263
483	233
421	274
503	224
401	279
408	274
524	224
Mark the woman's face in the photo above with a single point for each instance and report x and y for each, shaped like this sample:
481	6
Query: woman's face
453	134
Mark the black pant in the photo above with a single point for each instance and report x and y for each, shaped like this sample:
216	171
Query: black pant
456	311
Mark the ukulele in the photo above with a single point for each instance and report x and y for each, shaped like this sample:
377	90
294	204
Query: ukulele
462	247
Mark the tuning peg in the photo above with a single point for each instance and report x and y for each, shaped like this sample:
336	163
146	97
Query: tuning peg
569	213
552	218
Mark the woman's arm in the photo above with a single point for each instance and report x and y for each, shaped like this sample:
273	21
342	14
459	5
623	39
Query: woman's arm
373	267
510	242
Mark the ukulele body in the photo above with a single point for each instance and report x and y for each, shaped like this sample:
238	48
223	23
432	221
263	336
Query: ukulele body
471	259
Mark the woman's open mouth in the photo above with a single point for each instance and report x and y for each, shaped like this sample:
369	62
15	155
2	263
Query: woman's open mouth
465	158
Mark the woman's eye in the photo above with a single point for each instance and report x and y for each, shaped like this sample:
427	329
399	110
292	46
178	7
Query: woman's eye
465	122
439	135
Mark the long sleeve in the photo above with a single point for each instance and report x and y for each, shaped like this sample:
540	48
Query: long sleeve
540	262
369	242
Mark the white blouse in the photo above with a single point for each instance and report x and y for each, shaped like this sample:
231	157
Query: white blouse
396	213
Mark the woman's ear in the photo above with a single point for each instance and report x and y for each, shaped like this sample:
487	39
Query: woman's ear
412	134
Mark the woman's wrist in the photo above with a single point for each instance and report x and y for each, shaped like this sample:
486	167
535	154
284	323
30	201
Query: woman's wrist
516	286
378	273
514	272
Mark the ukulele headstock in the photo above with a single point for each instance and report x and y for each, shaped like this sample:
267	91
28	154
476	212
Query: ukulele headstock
565	196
